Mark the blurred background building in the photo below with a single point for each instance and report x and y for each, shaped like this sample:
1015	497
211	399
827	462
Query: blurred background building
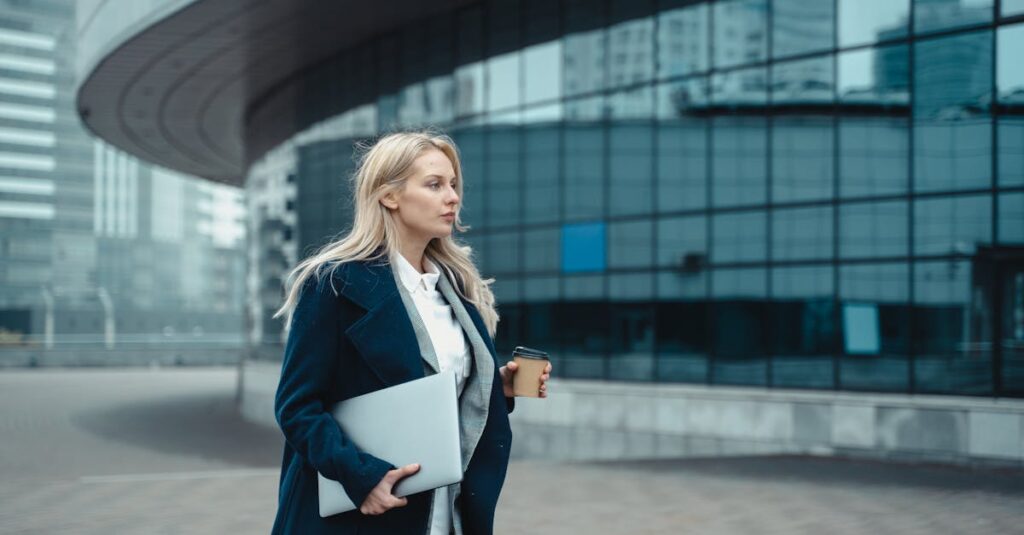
97	248
819	199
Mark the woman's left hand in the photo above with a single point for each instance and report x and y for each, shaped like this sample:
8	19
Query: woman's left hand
508	371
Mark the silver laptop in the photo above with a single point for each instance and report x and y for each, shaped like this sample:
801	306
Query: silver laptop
414	422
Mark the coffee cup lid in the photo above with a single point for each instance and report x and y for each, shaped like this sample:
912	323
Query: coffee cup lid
529	353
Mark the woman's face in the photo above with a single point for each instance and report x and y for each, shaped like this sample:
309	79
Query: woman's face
427	206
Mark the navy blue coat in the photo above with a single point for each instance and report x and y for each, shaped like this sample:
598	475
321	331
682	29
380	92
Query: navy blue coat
341	346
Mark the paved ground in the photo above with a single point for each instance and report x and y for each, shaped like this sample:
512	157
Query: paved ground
163	452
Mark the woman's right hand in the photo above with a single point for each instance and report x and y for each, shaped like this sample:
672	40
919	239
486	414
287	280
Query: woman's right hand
380	500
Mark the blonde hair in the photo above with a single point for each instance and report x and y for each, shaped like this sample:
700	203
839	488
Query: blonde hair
384	167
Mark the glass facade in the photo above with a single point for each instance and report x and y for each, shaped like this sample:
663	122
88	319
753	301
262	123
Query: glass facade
738	192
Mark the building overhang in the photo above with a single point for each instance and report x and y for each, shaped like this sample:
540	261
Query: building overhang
177	88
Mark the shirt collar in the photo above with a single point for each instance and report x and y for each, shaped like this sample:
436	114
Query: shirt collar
414	280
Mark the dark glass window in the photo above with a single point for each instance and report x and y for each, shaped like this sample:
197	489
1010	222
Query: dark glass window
951	356
683	42
471	156
875	327
632	340
583	247
681	146
739	140
741	32
504	252
1011	218
584	171
873	96
738	237
799	27
630	182
802	233
873	230
541	250
1010	92
682	242
952	133
952	225
802	91
682	341
933	15
585	337
539	324
542	174
537	288
869	21
629	244
739	307
802	327
503	177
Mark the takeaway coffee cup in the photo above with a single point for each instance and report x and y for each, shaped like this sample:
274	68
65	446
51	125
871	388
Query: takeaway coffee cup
531	362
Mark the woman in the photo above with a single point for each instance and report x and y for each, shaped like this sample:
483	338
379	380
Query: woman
392	301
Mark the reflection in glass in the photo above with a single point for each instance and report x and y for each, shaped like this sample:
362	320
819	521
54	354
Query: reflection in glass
932	15
632	336
542	67
952	133
1010	91
739	307
1011	218
874	305
738	237
503	177
541	250
739	141
584	172
629	244
541	176
683	243
869	21
585	109
801	138
469	89
503	250
799	27
584	62
952	357
1011	7
952	225
631	52
503	81
683	40
682	339
681	146
871	230
802	233
629	162
802	329
635	103
741	33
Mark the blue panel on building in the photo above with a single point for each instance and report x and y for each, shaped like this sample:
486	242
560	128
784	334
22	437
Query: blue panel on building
583	247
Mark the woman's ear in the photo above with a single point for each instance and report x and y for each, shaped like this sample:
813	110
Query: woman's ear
389	201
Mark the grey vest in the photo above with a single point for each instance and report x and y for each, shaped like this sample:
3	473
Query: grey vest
476	394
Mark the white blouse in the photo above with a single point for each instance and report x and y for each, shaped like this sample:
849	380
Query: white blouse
450	346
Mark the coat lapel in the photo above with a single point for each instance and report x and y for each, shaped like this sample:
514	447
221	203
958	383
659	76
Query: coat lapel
384	337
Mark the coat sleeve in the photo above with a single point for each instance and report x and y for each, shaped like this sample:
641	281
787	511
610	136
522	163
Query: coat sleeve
310	364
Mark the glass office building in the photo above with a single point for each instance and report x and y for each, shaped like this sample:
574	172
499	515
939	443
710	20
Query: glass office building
778	193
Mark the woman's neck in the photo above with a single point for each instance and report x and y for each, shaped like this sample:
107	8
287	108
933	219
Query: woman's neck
413	253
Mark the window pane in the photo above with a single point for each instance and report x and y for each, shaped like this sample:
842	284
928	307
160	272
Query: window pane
584	172
802	327
542	67
739	308
952	225
868	21
583	247
931	15
682	341
799	27
631	52
635	103
584	62
630	160
630	244
541	177
632	340
802	159
738	237
1011	7
952	134
1011	218
1010	91
503	177
739	142
584	329
875	327
802	233
504	252
471	154
683	40
503	82
950	356
541	250
681	147
682	242
741	33
870	230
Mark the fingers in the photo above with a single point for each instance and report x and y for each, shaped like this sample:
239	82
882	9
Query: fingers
512	365
548	368
405	471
